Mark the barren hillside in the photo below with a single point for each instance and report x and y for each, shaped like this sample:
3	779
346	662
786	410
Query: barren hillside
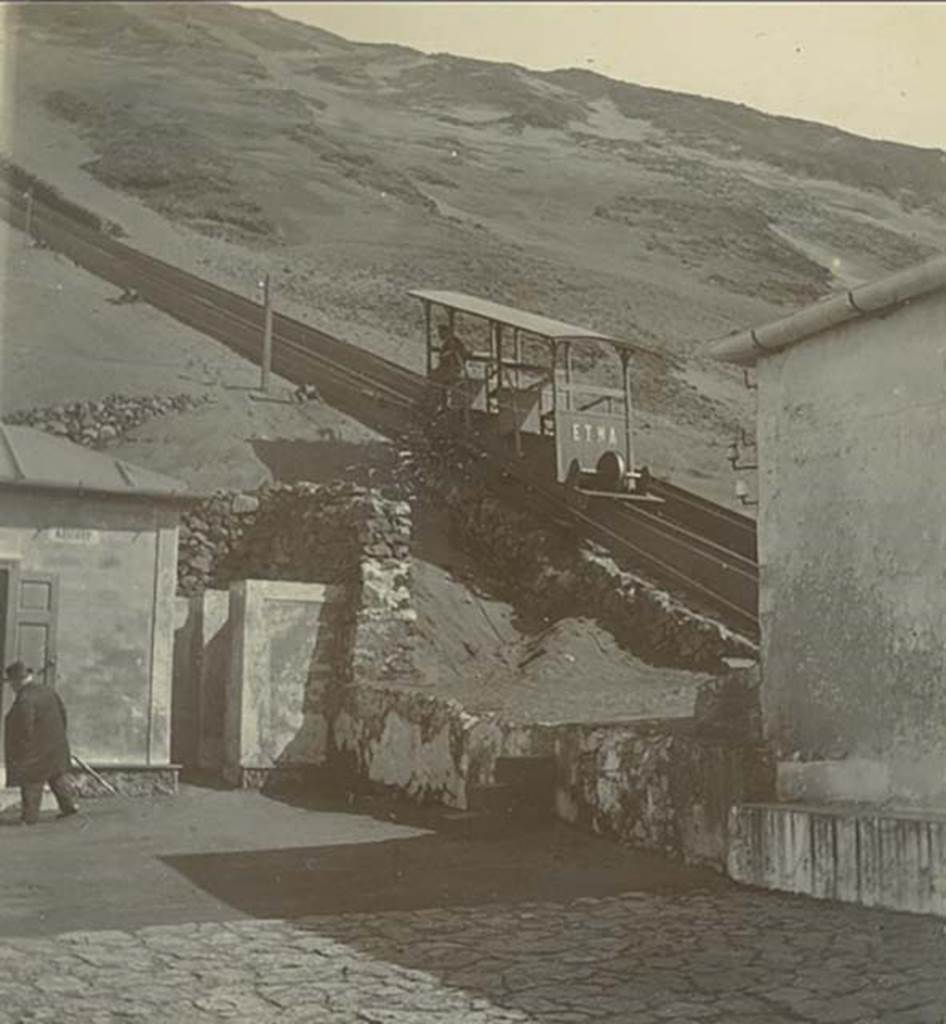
229	140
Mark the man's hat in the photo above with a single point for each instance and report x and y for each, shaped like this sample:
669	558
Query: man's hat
17	671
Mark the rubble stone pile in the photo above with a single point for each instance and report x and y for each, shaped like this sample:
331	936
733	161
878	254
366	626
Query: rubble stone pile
98	424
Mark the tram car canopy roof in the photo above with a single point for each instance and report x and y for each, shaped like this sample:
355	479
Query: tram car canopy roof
509	316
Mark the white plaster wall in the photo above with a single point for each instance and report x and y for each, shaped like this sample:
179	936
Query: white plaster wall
116	567
280	664
852	546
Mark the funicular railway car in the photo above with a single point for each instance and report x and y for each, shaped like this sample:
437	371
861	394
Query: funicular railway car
591	424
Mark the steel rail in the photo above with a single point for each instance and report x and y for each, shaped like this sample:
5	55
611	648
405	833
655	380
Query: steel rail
705	548
728	528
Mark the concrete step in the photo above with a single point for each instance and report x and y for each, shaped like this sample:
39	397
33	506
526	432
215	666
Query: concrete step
874	856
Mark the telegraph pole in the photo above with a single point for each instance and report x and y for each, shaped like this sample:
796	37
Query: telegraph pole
267	361
29	213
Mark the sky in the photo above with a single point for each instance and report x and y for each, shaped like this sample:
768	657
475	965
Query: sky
876	69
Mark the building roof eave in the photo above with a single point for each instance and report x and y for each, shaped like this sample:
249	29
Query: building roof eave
171	497
746	347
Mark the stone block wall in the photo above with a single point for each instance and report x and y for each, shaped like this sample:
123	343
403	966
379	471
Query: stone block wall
301	533
662	785
406	740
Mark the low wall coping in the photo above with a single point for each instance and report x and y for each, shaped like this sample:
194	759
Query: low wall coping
282	590
114	766
853	810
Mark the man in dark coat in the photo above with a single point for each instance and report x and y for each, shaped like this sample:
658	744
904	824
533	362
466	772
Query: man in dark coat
37	750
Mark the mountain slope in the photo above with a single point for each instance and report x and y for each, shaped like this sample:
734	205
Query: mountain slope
228	139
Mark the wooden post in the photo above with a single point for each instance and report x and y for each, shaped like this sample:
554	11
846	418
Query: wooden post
430	355
29	214
553	350
496	367
625	368
568	375
267	363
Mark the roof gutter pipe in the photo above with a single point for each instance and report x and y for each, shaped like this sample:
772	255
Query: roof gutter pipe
866	300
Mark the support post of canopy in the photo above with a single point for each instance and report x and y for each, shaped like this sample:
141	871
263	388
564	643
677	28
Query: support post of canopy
514	392
466	395
496	356
626	378
429	339
568	375
553	358
553	349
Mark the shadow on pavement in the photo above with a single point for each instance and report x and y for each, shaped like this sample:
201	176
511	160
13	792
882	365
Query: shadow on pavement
553	864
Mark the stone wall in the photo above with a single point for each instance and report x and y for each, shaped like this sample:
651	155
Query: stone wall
408	740
551	571
301	533
159	780
667	786
663	785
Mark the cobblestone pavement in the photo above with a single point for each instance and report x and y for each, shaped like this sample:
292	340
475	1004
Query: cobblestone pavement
735	957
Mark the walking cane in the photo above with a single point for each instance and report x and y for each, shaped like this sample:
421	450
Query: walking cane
89	770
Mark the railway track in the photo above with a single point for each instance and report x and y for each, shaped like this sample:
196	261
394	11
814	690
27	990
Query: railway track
703	548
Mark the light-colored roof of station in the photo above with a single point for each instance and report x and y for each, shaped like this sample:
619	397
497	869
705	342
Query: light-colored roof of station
745	347
532	323
32	459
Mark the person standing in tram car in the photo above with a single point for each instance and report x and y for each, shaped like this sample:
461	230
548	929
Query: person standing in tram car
451	370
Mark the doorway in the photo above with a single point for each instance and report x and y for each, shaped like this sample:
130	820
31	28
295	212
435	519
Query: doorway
28	609
7	590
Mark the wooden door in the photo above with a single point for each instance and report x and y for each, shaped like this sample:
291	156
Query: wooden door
37	606
8	589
